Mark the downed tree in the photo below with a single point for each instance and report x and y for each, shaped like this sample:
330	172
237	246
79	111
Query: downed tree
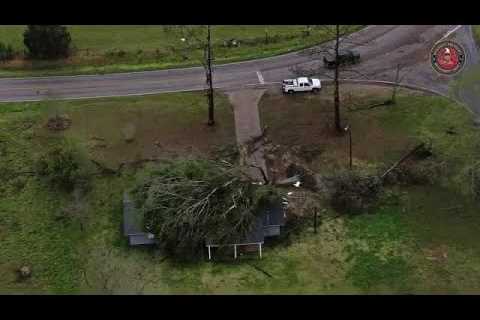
187	202
405	157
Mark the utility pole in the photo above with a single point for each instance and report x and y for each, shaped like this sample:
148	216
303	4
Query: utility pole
349	130
397	80
211	119
336	99
350	137
315	220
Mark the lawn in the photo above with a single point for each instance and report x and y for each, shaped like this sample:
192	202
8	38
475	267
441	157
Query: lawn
420	239
33	228
105	49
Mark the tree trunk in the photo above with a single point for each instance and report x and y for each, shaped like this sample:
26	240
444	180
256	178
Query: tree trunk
211	104
337	93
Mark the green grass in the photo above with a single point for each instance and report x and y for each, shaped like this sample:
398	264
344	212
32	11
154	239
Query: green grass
147	48
66	253
422	219
379	249
388	251
417	246
476	33
398	248
29	230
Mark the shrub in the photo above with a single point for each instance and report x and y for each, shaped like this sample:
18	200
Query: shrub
59	122
355	192
115	53
6	52
64	167
47	41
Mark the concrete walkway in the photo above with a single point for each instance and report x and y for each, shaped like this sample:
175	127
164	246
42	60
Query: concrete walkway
248	126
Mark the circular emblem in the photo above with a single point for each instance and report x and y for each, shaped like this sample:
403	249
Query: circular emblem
447	57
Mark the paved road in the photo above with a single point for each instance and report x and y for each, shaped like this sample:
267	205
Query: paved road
467	91
382	48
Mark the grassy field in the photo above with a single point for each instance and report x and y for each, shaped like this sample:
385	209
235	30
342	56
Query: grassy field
476	33
414	242
148	48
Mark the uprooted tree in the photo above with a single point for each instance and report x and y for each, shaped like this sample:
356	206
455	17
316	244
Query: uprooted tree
188	40
187	202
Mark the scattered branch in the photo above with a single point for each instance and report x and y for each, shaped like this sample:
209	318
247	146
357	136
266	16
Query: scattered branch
405	157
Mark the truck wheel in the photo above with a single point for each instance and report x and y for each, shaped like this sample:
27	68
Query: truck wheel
315	90
290	91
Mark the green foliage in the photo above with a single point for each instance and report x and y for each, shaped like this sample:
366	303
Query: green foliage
189	201
6	52
228	152
47	41
64	166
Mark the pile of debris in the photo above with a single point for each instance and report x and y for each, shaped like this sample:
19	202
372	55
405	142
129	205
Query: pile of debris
231	43
59	122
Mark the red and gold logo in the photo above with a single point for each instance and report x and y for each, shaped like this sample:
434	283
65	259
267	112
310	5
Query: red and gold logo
448	57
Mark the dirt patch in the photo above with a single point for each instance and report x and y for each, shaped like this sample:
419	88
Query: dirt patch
117	131
303	126
59	123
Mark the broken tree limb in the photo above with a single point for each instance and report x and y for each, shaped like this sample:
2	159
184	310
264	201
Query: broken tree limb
405	157
288	181
103	169
452	208
264	175
261	270
373	106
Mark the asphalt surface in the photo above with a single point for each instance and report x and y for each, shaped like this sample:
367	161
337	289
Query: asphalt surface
381	49
469	93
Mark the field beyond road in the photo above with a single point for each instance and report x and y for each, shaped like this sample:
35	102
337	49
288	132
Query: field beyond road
107	49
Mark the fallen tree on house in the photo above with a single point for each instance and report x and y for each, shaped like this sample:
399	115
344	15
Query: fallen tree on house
186	202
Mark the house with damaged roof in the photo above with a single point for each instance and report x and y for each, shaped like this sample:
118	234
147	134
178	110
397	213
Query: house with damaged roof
268	224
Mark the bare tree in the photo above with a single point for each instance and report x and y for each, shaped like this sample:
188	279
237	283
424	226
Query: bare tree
340	35
209	73
191	40
336	94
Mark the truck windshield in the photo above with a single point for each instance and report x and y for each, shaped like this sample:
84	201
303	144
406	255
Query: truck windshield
310	81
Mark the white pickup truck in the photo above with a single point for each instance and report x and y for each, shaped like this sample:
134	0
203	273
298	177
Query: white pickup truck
301	84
